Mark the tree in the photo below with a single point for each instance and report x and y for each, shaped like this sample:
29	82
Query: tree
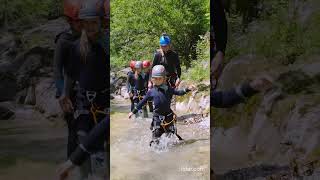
137	25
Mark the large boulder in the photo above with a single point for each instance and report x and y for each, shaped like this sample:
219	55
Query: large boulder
46	102
45	34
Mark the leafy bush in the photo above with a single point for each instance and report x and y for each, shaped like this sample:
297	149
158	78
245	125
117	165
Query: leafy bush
137	25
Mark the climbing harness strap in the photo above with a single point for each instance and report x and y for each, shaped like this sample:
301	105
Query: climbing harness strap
163	118
173	121
94	109
139	96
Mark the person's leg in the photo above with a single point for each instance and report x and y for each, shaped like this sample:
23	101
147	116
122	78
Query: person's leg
150	104
145	112
132	104
157	131
72	133
98	158
83	128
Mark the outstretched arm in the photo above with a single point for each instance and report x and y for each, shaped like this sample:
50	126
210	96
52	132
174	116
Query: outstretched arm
225	99
181	92
142	102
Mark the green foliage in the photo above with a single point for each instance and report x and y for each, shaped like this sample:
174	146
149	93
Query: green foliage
27	12
277	34
137	25
200	68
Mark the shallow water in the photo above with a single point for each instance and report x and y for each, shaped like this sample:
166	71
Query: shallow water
133	159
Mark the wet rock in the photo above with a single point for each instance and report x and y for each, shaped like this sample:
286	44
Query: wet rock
45	34
237	70
31	94
8	86
5	113
45	98
252	172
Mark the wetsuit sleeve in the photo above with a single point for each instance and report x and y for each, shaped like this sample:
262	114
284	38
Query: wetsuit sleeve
178	67
58	56
68	84
226	99
97	134
181	92
58	65
142	102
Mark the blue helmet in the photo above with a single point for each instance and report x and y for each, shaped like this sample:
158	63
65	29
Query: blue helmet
165	40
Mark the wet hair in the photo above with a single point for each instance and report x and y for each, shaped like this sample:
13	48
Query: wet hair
84	46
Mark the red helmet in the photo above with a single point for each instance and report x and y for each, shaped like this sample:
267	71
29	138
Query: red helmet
146	64
132	64
71	8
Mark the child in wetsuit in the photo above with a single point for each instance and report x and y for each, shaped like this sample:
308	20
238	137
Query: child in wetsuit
138	82
161	94
130	83
146	66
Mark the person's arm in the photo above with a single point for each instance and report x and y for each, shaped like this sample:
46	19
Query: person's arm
225	99
97	134
58	65
142	103
181	92
178	67
220	26
68	85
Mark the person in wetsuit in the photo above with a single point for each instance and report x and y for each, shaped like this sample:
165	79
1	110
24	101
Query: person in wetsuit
130	83
64	43
90	60
139	89
163	120
146	66
170	60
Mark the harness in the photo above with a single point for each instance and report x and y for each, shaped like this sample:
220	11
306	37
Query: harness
164	124
94	108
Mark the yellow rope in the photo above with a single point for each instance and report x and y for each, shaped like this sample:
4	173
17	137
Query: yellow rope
166	124
94	111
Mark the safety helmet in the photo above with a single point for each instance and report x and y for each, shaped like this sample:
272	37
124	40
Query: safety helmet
89	10
158	71
132	64
164	40
138	65
146	64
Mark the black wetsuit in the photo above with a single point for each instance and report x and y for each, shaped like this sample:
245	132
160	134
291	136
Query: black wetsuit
138	86
64	44
171	63
93	77
130	86
99	133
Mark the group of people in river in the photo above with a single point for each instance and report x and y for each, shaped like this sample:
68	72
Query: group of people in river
82	76
155	85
